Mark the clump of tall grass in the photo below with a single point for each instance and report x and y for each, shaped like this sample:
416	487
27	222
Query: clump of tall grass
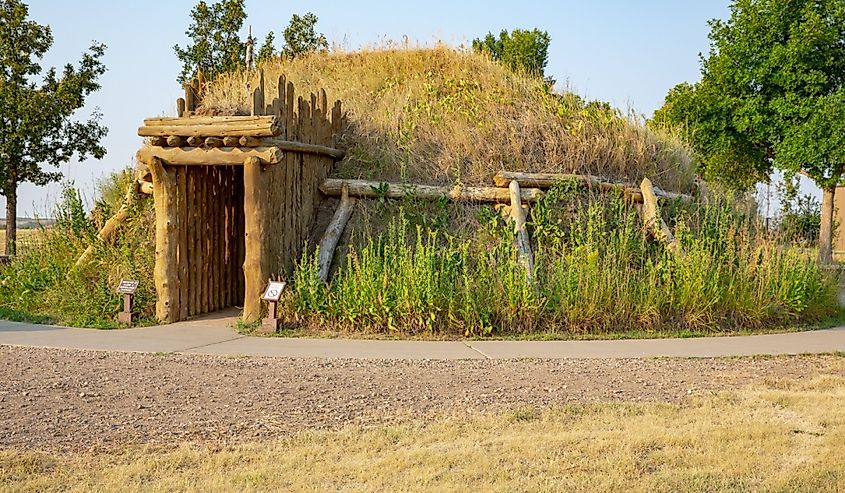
442	115
43	283
596	272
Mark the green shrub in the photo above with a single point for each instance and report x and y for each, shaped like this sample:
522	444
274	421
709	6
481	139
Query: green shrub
43	282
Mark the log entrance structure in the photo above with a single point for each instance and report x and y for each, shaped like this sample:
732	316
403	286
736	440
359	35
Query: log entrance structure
235	196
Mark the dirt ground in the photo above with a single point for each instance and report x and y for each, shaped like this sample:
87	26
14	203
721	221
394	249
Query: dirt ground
86	400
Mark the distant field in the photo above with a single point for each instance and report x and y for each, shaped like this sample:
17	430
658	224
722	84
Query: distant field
25	238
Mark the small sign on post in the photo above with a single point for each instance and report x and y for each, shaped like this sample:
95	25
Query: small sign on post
271	296
127	289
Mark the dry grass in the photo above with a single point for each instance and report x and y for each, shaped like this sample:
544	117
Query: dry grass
25	237
784	437
441	115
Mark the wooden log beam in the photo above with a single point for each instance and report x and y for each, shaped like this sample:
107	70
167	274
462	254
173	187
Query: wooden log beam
213	142
256	263
166	272
547	180
215	126
375	189
108	230
330	239
292	146
174	141
653	222
233	156
522	240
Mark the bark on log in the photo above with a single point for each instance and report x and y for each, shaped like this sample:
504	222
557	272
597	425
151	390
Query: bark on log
547	180
218	126
195	141
108	230
375	189
231	141
158	141
190	156
522	240
166	270
333	233
653	222
256	272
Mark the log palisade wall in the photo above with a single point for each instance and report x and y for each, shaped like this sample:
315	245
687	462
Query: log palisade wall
222	229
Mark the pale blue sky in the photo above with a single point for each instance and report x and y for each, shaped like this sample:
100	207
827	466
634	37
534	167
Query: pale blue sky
627	52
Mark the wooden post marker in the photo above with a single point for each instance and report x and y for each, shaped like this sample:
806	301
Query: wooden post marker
271	296
127	289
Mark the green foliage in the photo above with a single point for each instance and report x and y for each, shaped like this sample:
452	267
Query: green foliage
596	272
771	93
301	36
38	124
267	50
518	50
215	46
800	215
43	282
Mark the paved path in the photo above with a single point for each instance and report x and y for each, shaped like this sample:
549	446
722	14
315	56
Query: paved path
214	335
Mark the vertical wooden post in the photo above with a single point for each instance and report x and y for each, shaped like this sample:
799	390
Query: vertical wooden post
256	272
203	233
166	273
523	242
182	236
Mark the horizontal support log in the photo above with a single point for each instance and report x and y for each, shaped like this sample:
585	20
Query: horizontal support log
375	189
205	120
292	146
223	126
233	156
547	180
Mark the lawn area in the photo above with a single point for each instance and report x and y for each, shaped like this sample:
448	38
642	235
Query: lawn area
784	436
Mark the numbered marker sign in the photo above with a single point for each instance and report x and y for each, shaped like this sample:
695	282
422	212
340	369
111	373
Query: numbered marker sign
274	291
127	287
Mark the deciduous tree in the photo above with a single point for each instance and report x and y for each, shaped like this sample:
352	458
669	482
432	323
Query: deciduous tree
37	118
215	46
519	49
301	36
771	95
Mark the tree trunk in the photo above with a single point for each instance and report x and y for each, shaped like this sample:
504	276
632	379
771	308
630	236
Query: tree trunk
12	219
826	226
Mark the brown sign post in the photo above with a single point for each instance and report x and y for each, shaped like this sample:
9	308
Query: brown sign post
271	296
127	289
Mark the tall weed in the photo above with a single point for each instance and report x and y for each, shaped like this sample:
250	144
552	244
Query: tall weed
597	271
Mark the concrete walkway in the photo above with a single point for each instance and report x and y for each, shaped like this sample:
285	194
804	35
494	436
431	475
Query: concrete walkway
214	335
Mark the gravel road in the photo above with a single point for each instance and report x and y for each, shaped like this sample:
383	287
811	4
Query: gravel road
79	400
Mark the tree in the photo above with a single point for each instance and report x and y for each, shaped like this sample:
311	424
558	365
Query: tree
518	50
215	46
36	121
267	50
301	36
772	95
